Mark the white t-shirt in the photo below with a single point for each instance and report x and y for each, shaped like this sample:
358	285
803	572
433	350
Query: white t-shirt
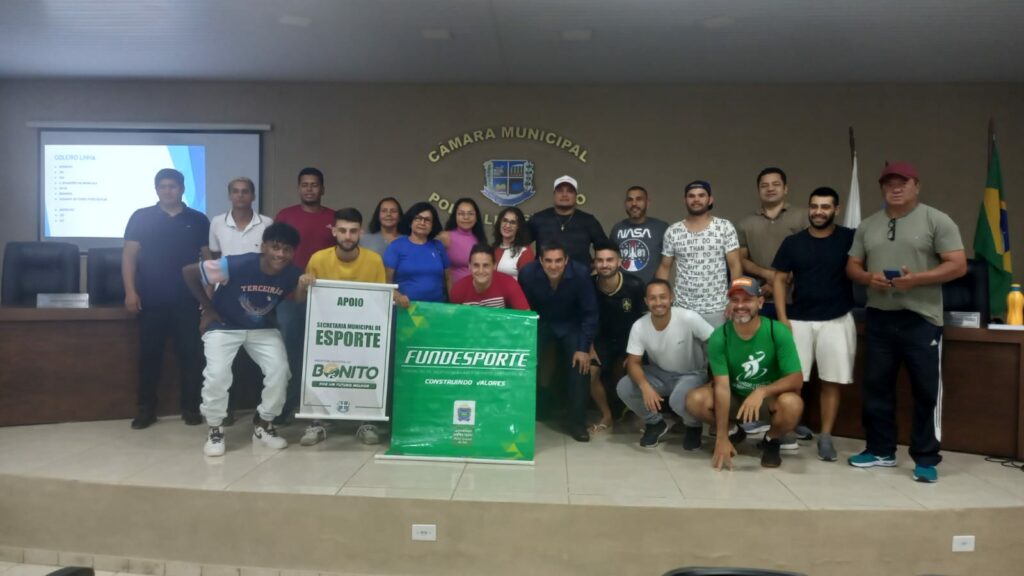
226	238
509	264
678	348
701	272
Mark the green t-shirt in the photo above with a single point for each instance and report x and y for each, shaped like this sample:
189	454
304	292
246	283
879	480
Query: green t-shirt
919	237
768	356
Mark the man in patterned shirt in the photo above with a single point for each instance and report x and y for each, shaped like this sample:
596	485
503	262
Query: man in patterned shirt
704	251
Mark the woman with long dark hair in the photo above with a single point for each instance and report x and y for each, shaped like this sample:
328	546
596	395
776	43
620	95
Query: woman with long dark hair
511	242
383	228
464	229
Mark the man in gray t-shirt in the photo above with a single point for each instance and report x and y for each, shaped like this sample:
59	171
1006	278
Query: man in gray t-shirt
903	254
638	237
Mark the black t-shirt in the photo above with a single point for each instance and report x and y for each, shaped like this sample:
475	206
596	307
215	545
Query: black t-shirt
576	232
168	244
821	289
618	311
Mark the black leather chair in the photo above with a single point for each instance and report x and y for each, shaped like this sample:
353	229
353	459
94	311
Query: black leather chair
103	276
32	268
729	572
969	293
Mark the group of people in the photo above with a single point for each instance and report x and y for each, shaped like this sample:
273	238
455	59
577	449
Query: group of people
723	321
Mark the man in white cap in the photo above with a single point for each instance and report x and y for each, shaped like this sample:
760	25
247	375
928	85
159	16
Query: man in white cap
565	224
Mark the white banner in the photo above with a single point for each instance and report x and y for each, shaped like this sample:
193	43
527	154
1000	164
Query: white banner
347	354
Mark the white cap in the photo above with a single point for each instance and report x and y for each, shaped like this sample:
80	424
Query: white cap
566	180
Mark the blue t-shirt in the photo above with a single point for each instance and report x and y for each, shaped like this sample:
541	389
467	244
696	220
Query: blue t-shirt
246	295
419	268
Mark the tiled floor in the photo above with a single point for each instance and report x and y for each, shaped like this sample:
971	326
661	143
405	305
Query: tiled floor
610	470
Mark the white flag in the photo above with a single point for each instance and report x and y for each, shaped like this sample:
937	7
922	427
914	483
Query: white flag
851	214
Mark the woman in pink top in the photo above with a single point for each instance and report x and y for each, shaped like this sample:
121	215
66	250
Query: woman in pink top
512	242
464	229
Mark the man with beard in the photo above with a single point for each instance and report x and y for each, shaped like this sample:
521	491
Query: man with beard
814	260
347	261
705	252
314	221
673	340
638	237
620	302
756	375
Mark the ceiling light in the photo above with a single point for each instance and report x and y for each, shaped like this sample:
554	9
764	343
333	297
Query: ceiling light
577	35
436	34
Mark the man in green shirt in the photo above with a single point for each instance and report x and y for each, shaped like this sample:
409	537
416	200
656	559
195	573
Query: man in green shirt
757	375
903	254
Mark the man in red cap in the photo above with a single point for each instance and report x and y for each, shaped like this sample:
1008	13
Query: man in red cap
903	254
756	376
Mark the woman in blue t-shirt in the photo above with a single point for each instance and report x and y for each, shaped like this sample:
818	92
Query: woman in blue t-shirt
416	261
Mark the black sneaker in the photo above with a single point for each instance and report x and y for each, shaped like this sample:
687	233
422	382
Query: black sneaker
653	433
738	435
770	457
143	419
691	437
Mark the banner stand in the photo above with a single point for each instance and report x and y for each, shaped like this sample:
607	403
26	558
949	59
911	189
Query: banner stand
451	459
347	351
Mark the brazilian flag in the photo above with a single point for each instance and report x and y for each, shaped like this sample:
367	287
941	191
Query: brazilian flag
992	238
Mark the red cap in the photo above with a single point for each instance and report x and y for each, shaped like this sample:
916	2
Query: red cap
904	169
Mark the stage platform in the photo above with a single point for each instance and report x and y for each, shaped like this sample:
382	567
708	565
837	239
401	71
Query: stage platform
149	502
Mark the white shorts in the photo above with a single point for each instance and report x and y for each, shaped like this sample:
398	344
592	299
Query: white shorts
832	343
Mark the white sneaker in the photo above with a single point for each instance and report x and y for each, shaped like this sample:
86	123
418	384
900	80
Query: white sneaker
266	433
214	442
315	433
368	434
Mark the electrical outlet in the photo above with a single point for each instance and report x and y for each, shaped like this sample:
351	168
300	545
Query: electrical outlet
963	543
428	533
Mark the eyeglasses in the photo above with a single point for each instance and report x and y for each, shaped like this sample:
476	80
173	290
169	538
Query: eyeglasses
510	221
424	219
465	214
892	229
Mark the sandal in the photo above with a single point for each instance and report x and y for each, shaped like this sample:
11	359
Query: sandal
598	428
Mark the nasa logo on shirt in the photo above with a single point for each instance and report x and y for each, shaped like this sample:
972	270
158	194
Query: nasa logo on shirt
635	254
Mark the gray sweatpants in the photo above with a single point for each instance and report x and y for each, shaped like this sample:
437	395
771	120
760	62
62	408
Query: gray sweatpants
675	386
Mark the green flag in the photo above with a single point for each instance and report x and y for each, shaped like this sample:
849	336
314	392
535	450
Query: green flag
992	238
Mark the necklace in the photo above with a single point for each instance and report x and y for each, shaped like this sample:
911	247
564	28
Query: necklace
566	222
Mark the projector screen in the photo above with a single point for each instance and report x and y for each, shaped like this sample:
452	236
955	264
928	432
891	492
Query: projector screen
92	181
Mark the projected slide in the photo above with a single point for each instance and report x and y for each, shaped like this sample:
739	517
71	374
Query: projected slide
92	190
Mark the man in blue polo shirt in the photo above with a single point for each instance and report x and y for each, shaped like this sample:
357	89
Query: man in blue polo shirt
561	292
158	241
248	289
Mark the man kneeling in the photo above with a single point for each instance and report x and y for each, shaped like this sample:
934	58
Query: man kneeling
249	287
756	376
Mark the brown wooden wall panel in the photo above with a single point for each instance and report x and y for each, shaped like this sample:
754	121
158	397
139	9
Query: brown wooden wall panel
81	365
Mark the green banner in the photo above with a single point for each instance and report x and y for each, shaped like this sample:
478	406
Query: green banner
465	383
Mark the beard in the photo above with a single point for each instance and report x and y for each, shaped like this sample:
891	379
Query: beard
698	211
827	223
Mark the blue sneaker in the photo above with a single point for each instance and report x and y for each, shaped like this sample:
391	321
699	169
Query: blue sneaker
867	460
927	474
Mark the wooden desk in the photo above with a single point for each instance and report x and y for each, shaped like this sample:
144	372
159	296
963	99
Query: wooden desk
983	394
67	365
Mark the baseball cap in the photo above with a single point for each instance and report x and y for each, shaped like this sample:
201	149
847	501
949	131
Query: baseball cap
745	284
566	180
704	184
904	169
